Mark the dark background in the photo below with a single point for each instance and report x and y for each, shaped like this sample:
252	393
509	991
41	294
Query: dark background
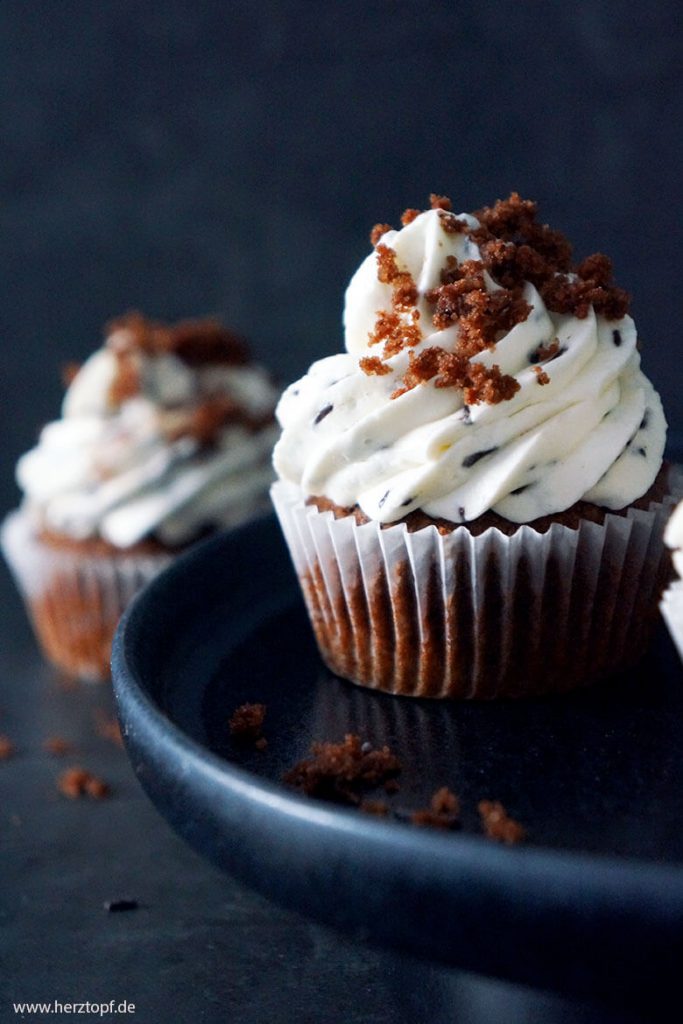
188	157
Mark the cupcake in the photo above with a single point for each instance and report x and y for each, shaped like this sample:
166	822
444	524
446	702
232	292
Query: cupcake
672	602
166	435
473	493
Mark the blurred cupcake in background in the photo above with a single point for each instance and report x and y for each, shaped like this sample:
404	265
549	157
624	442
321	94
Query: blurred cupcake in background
672	602
165	436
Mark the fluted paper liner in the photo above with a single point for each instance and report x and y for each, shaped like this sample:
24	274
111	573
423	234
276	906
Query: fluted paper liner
74	599
672	611
426	615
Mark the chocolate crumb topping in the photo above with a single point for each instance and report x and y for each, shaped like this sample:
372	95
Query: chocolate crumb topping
541	376
451	224
196	342
498	825
378	231
372	364
515	249
342	772
69	372
408	216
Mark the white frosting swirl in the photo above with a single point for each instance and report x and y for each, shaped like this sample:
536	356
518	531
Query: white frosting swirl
673	537
128	471
595	431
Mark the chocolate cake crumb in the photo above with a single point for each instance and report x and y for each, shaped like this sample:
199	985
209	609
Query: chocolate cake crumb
342	772
376	807
408	216
395	331
498	825
439	202
443	811
541	376
69	372
197	342
378	231
246	724
120	906
372	364
76	782
544	353
108	728
126	382
57	746
451	224
479	383
7	748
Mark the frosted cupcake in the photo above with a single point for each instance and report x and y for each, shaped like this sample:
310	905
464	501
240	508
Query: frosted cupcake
672	602
473	493
166	435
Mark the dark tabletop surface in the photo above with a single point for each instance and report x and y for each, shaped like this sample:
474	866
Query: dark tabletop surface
199	947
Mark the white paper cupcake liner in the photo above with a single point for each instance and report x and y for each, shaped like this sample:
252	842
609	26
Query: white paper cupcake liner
672	612
74	599
427	615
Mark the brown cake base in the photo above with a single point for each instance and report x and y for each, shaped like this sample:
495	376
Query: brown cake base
486	615
76	591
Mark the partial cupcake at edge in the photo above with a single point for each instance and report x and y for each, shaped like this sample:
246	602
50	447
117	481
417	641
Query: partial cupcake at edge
672	601
166	436
474	493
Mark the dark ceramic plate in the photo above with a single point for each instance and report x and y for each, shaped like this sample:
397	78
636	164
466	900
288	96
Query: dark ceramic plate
593	903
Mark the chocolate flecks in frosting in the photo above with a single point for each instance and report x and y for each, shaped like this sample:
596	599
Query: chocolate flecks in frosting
378	231
472	459
196	342
616	337
322	414
372	364
544	353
